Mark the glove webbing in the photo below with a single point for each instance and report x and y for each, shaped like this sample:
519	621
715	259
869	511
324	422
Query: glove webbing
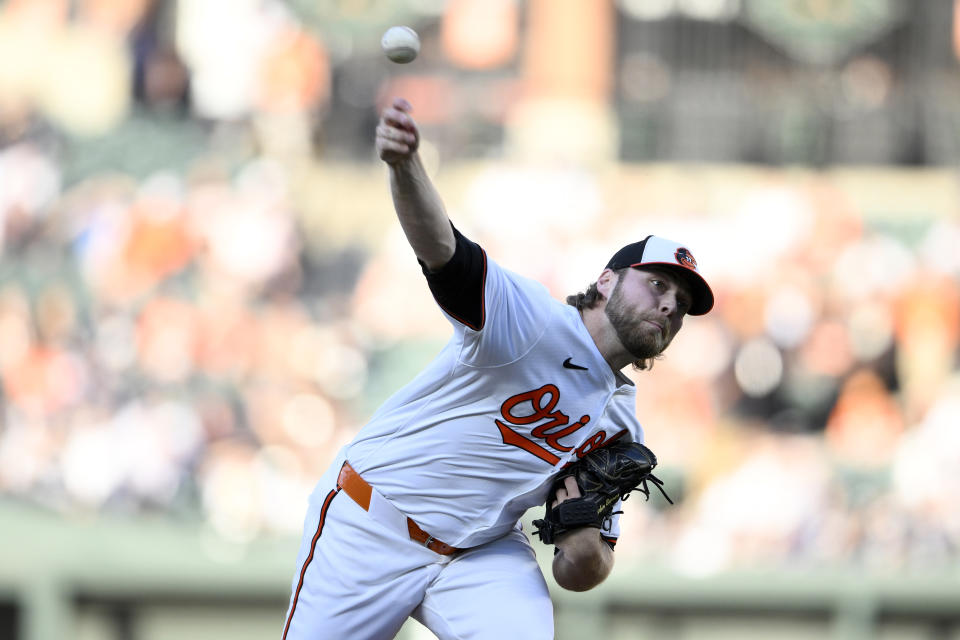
645	490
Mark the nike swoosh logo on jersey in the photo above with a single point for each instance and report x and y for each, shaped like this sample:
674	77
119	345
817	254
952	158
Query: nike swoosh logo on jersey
569	365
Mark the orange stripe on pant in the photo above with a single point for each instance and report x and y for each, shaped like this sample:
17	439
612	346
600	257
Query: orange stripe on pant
306	563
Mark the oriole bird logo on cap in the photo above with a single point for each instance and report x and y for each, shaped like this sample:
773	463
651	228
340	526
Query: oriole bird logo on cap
685	258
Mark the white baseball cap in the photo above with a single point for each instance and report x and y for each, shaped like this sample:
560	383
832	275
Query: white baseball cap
660	252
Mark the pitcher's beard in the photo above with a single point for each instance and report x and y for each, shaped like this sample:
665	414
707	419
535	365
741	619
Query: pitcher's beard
640	339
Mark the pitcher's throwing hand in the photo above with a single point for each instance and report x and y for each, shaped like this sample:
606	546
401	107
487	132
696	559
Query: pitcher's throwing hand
397	134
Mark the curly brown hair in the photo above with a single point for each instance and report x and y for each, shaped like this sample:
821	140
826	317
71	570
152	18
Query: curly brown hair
591	297
587	299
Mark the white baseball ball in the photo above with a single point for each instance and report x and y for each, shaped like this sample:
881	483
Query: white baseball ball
401	44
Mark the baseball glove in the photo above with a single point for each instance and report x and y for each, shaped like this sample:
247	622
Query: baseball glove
604	476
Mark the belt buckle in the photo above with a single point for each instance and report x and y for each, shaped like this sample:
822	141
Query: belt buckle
428	541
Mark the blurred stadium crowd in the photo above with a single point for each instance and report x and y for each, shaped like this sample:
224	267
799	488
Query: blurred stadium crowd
202	296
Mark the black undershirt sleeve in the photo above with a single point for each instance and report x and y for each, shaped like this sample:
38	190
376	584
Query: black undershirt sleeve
458	286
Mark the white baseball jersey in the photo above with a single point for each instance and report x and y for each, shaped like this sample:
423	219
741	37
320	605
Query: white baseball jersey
519	391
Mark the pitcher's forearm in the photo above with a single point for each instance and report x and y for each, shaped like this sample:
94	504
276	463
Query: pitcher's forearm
421	212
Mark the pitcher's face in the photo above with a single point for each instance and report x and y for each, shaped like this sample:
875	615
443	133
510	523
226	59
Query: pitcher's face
646	309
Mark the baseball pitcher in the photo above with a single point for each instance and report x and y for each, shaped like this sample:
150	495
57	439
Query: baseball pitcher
526	405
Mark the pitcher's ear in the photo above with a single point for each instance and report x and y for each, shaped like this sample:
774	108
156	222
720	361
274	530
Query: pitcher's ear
606	281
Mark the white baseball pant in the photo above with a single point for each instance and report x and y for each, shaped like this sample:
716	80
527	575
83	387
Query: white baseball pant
360	575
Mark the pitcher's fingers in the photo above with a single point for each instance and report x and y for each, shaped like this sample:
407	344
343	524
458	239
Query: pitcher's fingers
570	484
392	146
561	495
401	104
387	132
398	118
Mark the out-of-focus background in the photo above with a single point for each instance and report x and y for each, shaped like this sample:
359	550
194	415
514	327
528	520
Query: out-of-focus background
204	292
